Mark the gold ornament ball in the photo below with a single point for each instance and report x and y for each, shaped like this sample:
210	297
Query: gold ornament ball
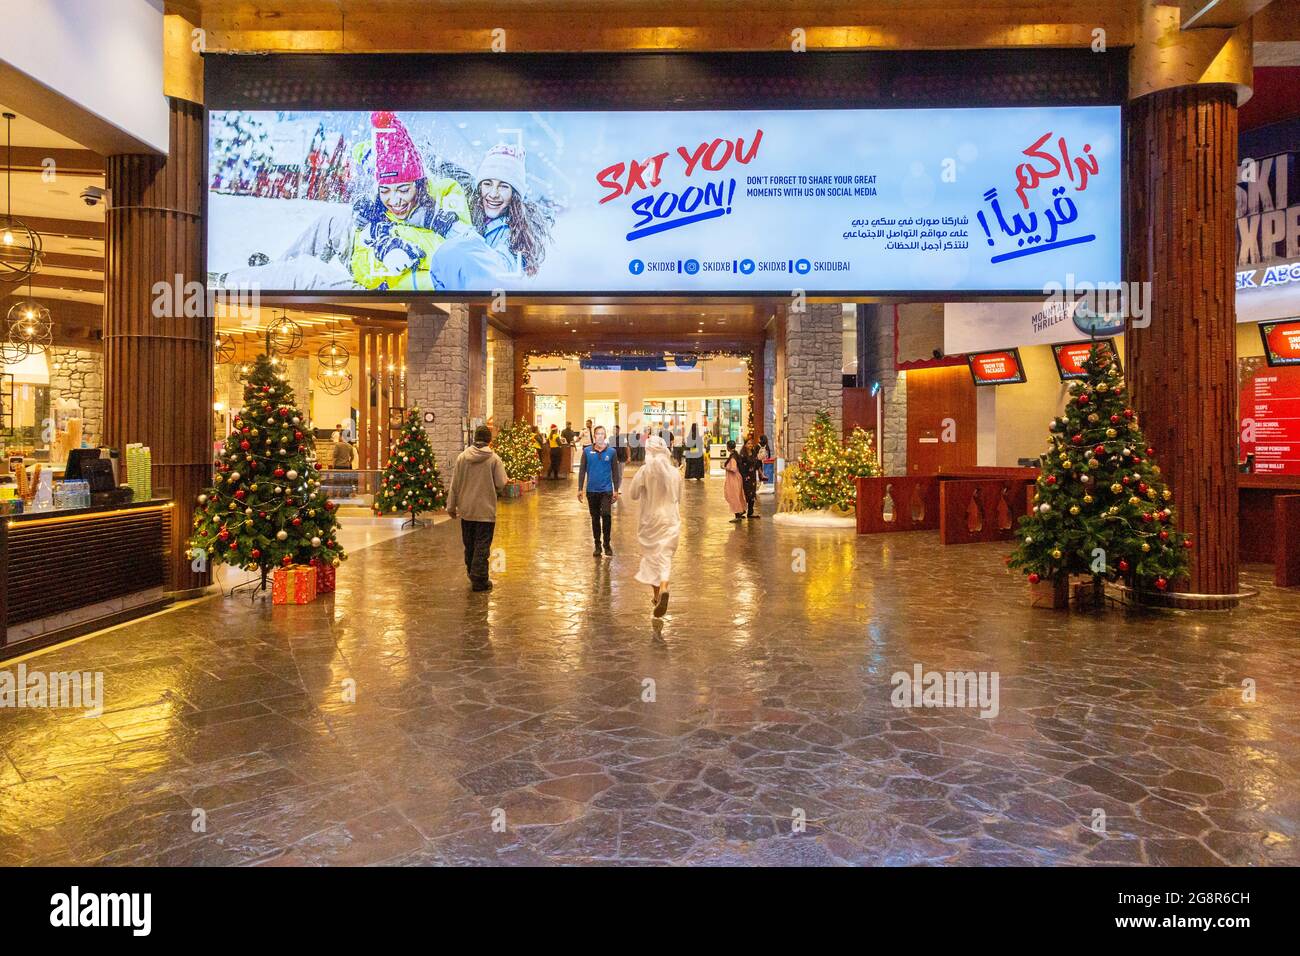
1087	499
1074	509
1135	500
1067	464
1145	546
1116	488
1111	433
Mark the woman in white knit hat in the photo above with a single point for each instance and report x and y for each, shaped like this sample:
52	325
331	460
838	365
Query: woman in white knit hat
517	230
657	485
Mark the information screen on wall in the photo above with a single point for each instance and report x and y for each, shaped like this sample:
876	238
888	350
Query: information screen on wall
979	200
1281	342
996	368
1070	357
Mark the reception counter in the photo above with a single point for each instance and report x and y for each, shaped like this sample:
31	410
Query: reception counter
66	573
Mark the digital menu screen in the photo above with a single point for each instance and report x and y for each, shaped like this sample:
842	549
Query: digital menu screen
1281	341
1070	357
996	368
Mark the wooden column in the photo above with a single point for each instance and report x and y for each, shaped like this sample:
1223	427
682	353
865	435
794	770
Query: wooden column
477	363
1182	166
158	374
363	398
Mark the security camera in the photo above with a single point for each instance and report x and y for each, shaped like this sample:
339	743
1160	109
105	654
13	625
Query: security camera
93	196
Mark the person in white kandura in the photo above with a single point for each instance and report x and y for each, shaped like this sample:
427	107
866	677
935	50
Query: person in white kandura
657	485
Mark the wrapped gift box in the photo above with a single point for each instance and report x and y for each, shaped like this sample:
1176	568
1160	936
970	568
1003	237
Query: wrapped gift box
295	584
511	489
324	576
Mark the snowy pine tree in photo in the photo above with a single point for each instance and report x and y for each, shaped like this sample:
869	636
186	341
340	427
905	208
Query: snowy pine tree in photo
241	148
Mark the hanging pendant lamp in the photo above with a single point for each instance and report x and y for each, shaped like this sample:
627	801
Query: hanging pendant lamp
30	328
20	247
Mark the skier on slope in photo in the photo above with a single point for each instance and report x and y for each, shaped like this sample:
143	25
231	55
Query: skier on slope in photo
514	228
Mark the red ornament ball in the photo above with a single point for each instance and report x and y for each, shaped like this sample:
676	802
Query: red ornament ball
1161	584
1034	578
1123	567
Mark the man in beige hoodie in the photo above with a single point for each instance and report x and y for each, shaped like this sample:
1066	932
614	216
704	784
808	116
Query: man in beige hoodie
475	482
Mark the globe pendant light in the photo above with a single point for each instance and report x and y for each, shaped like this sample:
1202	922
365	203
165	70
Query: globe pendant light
30	327
333	356
20	247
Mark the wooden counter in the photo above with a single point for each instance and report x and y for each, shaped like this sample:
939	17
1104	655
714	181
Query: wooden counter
70	572
1268	524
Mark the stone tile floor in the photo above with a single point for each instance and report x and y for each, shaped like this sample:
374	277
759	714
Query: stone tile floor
771	692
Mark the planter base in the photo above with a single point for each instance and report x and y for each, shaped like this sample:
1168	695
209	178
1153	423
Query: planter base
1054	594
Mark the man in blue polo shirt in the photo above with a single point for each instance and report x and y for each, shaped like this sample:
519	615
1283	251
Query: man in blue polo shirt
601	472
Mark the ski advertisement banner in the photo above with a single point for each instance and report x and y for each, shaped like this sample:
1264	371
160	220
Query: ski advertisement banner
754	201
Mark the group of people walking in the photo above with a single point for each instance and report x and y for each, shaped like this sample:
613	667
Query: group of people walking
479	476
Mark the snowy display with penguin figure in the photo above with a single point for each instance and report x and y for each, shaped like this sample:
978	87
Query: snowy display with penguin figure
266	508
411	483
1100	506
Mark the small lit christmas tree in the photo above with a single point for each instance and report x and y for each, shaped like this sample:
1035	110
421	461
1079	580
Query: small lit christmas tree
821	475
860	455
1100	505
411	482
516	446
266	508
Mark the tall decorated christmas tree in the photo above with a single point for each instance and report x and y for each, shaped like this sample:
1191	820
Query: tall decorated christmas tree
411	482
516	446
1100	507
821	474
266	508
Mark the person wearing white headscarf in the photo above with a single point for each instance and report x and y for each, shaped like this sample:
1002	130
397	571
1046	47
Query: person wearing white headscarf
657	485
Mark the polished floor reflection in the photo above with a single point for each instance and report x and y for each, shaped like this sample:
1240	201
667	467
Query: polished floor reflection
406	720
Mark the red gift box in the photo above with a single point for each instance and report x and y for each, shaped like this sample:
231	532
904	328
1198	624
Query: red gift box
295	584
325	574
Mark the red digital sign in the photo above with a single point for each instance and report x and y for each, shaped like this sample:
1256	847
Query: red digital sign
1070	357
1281	341
996	368
1270	420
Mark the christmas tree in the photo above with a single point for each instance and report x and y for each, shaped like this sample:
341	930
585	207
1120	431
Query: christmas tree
821	475
516	446
1100	505
266	508
411	482
860	456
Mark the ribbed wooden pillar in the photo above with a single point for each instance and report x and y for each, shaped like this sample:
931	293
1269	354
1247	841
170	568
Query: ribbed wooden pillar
157	359
1182	165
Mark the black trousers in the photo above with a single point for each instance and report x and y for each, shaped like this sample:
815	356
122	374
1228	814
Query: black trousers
555	463
751	493
477	536
601	504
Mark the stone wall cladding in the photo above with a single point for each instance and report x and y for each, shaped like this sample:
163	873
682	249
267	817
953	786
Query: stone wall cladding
78	374
814	377
437	373
503	378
